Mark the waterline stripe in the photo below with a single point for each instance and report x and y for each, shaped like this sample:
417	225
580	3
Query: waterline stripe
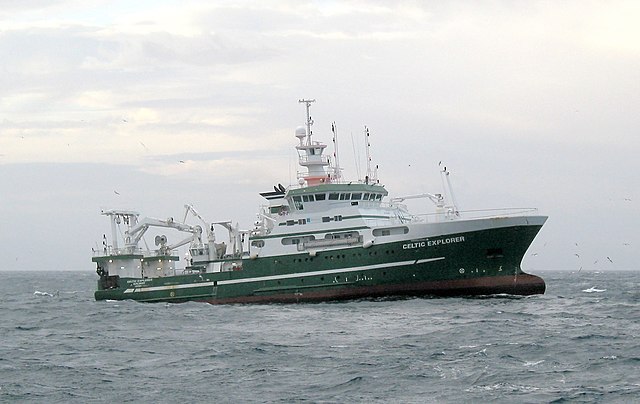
329	271
169	287
285	276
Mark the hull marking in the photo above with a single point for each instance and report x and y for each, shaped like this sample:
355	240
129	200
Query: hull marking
286	276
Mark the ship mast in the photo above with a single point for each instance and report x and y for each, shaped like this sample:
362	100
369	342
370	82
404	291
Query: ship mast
337	175
310	153
309	121
372	175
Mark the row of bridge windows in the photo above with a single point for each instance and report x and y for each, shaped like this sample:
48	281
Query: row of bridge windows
335	196
298	200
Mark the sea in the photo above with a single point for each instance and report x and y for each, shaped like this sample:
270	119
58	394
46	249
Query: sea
579	342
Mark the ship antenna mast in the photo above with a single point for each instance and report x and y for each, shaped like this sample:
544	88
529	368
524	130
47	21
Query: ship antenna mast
446	183
336	169
309	122
371	176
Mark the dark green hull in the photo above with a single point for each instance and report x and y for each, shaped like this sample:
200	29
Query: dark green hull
471	263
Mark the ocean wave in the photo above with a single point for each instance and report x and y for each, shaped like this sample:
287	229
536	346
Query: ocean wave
593	289
46	294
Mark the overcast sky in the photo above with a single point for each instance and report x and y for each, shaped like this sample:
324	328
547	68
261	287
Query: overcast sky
150	105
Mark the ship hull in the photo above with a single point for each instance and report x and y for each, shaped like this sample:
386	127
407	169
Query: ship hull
473	258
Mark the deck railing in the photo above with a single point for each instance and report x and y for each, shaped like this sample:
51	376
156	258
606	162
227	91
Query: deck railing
473	214
110	251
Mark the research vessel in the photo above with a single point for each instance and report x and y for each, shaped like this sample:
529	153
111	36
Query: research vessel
321	239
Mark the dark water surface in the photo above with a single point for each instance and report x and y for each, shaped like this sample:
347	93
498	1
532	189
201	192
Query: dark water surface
574	344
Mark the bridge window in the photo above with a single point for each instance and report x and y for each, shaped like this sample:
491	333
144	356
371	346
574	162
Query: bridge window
320	197
356	196
297	202
333	197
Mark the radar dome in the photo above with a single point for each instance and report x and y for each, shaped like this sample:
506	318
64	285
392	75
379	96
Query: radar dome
301	132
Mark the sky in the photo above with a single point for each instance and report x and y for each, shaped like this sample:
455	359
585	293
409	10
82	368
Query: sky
149	105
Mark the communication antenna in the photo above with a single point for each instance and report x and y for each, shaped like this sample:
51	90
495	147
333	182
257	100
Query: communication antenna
336	170
309	122
356	156
446	183
372	175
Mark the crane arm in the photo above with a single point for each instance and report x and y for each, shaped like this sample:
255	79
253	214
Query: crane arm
139	229
438	199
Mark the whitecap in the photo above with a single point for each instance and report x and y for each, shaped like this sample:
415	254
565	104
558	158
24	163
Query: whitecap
533	363
593	289
38	293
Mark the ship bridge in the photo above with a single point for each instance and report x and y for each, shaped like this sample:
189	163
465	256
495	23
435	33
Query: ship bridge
328	196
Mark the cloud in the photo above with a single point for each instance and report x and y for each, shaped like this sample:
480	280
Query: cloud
527	102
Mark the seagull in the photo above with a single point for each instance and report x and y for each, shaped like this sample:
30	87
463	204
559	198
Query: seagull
116	192
610	260
577	255
181	161
143	145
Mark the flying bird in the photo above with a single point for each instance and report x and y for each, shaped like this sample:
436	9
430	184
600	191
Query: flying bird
116	192
181	161
577	255
610	260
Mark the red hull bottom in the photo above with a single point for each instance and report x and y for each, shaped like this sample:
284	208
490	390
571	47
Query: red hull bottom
522	285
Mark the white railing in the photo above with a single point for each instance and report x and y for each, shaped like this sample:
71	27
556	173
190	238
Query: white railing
110	251
316	159
474	214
